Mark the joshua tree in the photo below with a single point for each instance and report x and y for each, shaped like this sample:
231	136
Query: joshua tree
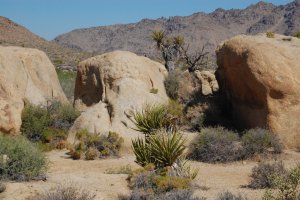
169	46
195	61
173	48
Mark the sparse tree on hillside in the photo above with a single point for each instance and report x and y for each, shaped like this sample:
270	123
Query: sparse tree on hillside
195	61
169	46
173	48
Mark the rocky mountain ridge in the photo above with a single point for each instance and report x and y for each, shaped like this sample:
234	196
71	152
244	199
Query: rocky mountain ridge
13	34
198	29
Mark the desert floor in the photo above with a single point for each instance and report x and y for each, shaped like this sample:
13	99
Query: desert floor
92	176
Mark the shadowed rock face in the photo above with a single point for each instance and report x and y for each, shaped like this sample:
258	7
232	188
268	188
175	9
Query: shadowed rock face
110	86
261	78
26	75
198	29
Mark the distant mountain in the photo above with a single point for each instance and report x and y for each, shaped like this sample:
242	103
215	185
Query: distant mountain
198	29
12	34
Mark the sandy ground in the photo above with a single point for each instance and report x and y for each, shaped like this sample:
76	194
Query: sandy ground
92	176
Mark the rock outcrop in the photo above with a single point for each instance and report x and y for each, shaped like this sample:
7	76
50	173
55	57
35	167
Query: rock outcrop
26	75
261	79
110	86
209	84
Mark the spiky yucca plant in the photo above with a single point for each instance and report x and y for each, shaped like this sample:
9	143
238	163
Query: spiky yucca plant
158	36
142	152
178	40
150	119
162	149
166	148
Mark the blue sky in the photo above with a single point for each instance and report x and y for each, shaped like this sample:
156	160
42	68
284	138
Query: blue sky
49	18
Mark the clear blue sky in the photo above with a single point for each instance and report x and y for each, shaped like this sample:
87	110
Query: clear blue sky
49	18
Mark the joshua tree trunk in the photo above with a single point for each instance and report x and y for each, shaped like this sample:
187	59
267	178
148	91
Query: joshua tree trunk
169	54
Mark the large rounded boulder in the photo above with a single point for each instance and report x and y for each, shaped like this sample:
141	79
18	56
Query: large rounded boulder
261	79
110	86
26	75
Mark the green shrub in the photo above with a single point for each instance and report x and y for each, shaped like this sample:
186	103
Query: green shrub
154	90
174	109
229	196
57	62
62	115
168	183
270	34
45	147
19	159
216	145
263	173
161	149
67	81
221	145
109	145
66	193
287	39
47	124
35	120
172	84
76	155
297	35
150	185
286	185
122	170
257	141
92	153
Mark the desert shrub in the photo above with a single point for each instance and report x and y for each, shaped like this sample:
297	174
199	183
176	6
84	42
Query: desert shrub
161	149
286	185
92	153
66	193
270	34
297	35
287	39
257	141
20	160
149	185
172	84
47	125
35	120
216	145
122	170
168	183
110	145
106	145
229	196
62	115
262	174
174	108
199	122
171	195
67	81
2	187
